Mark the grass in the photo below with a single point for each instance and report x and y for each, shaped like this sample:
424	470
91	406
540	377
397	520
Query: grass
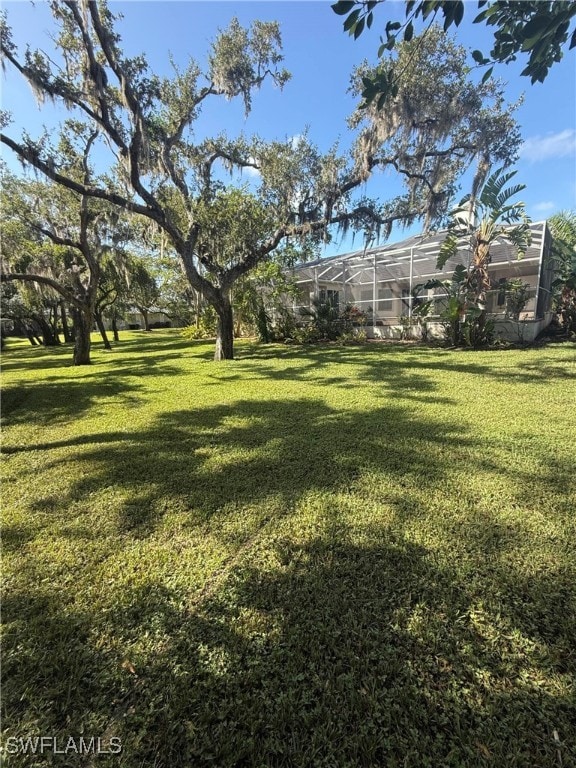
317	557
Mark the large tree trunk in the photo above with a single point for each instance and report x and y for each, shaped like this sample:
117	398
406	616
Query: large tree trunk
100	324
225	330
481	259
83	326
65	327
54	322
24	327
144	313
31	338
49	339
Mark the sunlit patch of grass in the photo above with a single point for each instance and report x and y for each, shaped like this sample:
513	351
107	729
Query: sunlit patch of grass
302	557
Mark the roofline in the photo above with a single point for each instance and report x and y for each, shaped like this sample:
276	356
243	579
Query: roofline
398	246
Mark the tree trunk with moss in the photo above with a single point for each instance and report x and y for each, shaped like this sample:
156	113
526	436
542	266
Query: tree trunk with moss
49	338
65	327
83	321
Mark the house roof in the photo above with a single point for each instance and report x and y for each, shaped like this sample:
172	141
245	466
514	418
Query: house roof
414	256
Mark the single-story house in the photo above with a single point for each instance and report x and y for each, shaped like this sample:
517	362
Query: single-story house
380	281
134	320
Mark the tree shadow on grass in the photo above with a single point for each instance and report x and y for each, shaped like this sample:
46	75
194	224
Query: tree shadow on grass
333	652
154	353
349	654
63	400
60	398
341	644
36	358
221	458
387	363
50	666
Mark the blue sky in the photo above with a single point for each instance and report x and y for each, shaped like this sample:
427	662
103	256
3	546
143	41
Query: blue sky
320	57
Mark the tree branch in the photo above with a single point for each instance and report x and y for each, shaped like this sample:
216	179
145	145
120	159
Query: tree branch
68	94
187	117
131	103
25	277
31	156
98	79
254	258
57	239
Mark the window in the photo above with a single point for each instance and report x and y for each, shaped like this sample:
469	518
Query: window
366	297
385	303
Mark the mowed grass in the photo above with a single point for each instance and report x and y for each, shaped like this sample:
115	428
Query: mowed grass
319	557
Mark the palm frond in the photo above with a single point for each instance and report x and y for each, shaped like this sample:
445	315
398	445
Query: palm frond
448	249
494	186
520	237
444	284
505	195
460	274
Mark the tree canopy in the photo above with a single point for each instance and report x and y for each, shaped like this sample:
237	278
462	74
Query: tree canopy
437	126
60	239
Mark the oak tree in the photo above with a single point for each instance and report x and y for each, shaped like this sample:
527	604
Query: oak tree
69	234
437	126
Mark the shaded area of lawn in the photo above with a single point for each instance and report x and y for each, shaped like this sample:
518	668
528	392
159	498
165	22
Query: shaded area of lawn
316	560
350	654
346	652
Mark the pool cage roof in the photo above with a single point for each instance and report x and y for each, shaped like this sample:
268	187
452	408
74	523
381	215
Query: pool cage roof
413	261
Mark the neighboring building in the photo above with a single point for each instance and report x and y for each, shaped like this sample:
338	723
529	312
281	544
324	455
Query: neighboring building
380	282
134	320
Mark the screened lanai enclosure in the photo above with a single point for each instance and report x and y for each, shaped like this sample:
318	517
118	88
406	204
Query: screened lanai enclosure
385	283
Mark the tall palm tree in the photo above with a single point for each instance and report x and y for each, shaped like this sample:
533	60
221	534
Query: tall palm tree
485	219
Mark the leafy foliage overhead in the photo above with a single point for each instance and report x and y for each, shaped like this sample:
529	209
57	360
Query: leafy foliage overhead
539	30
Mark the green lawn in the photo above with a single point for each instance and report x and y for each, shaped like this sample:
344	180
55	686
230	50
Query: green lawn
311	558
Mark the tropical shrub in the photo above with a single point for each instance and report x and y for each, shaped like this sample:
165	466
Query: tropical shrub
306	334
517	296
192	332
481	220
324	318
205	328
353	337
563	227
283	324
326	323
462	316
353	316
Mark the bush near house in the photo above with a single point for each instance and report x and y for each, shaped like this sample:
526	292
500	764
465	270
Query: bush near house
325	322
